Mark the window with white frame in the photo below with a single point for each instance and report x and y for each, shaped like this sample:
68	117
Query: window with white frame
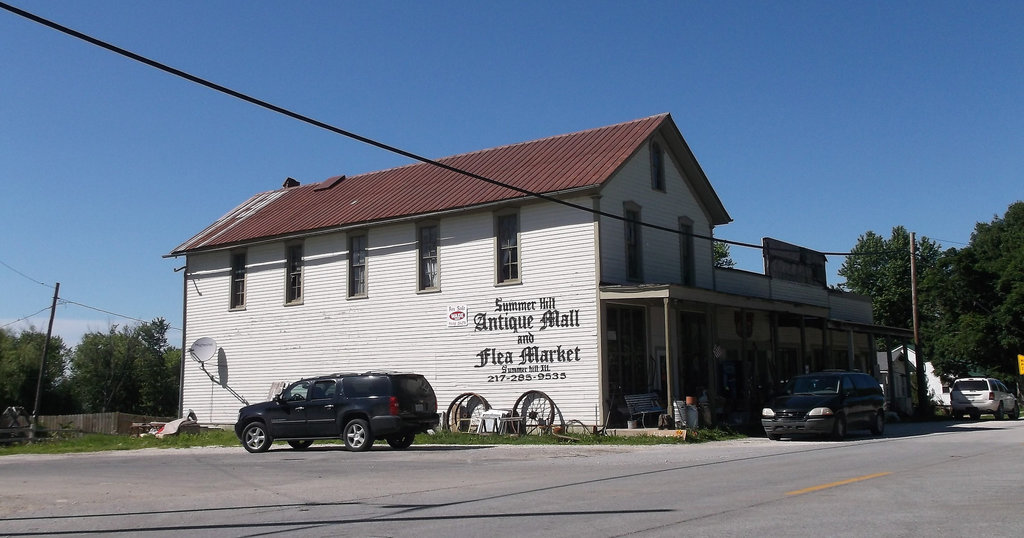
687	265
657	167
634	258
238	280
427	254
357	265
508	247
293	273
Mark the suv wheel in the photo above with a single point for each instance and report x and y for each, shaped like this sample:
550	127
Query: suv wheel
357	435
878	426
301	445
1015	413
401	441
999	412
255	437
839	428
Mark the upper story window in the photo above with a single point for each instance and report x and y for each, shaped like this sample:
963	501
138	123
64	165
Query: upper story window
293	273
634	259
427	251
508	247
238	280
657	167
687	265
357	265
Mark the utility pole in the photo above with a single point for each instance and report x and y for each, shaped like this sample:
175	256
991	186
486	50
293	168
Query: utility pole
42	362
922	383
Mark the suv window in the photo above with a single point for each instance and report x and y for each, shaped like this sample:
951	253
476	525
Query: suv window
971	384
413	386
296	392
362	387
322	389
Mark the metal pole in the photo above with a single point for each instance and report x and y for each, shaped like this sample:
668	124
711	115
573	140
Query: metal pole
42	362
922	384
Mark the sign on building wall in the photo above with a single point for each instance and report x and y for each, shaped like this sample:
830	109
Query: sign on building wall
458	316
530	346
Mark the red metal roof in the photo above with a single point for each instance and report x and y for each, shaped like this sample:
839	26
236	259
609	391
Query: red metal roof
549	166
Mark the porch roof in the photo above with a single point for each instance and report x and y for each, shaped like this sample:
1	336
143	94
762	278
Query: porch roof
658	292
676	292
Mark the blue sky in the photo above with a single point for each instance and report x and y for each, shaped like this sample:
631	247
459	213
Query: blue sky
814	121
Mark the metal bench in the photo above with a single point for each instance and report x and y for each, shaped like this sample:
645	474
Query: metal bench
642	405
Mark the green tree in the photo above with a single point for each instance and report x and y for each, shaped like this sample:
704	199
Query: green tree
131	369
880	268
978	298
722	256
19	372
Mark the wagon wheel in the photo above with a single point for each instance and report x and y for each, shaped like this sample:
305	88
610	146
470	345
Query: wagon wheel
577	427
538	413
463	410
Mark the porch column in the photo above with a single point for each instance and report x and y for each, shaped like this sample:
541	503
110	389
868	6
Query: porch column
668	366
849	349
892	378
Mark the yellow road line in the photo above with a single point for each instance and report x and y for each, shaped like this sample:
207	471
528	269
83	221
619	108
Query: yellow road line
834	484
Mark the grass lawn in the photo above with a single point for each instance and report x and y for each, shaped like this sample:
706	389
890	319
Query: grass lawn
101	442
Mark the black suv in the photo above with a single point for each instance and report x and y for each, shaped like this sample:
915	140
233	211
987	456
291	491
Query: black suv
358	408
827	404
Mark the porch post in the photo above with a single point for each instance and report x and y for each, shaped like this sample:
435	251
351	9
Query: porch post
892	378
849	349
668	367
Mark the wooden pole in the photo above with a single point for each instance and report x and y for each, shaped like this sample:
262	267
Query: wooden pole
42	362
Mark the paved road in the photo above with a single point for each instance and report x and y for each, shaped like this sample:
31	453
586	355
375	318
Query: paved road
940	479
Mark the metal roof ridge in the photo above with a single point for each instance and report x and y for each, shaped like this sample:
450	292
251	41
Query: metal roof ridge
323	185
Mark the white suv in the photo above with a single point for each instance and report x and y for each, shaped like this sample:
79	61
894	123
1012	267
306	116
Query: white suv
977	395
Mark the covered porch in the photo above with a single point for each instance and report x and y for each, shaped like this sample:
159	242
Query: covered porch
727	353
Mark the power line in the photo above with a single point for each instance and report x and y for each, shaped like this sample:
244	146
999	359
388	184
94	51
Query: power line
68	301
369	141
36	313
64	301
24	275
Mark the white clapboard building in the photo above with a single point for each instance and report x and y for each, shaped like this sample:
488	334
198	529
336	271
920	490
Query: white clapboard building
579	265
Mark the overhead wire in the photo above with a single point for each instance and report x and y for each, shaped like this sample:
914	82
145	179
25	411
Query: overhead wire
366	140
63	301
24	275
381	145
23	318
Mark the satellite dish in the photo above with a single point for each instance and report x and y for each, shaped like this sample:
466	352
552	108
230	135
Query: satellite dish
204	349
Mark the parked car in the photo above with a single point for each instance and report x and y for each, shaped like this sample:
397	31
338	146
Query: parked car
357	408
825	404
982	395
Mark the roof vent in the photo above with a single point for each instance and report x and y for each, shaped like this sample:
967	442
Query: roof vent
289	183
329	183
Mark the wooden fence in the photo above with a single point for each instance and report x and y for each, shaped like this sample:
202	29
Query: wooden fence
112	423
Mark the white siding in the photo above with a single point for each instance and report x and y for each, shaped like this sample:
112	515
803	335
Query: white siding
742	283
661	249
851	307
397	328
